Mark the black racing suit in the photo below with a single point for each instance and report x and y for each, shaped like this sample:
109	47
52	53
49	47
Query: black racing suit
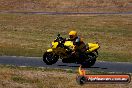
79	48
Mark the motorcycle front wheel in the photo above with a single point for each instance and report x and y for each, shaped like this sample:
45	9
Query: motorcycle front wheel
49	58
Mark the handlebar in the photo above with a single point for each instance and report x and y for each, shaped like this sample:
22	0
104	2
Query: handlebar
59	39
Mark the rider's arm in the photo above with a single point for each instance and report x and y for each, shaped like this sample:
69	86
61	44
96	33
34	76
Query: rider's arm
77	41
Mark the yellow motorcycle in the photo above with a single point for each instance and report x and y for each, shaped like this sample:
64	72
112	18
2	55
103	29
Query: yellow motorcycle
62	49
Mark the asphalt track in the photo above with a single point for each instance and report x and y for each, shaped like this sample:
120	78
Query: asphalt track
38	62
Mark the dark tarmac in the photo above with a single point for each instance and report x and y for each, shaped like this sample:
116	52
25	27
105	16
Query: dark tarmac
38	62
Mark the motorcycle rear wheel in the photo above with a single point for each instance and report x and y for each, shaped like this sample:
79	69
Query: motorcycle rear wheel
90	60
49	58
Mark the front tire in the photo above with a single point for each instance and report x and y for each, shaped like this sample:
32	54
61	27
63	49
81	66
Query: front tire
49	58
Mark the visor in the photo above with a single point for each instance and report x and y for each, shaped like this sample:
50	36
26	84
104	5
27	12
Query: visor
71	36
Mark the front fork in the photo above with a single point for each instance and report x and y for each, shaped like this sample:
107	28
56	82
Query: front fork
96	53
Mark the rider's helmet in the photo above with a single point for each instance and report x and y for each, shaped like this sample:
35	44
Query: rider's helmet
72	34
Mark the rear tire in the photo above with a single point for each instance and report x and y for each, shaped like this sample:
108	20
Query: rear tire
90	60
49	58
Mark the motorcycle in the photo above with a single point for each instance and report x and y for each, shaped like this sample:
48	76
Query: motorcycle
62	49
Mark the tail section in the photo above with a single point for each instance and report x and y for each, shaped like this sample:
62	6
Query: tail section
92	47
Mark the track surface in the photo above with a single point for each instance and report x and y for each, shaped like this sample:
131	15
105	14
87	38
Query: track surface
38	62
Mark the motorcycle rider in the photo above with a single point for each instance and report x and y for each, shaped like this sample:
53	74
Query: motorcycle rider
79	46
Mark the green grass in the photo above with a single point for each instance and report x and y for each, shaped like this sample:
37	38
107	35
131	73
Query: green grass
31	35
114	57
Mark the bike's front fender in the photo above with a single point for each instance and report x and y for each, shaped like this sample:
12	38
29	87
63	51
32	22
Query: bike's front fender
50	50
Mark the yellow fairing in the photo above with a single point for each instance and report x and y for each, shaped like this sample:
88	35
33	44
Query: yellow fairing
69	44
54	44
92	47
